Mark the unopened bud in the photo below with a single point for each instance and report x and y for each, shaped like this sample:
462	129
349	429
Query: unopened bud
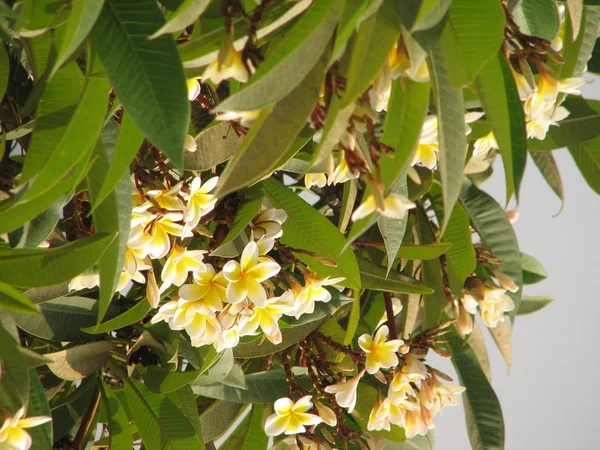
152	291
505	281
190	144
442	352
381	377
326	413
464	324
404	349
512	216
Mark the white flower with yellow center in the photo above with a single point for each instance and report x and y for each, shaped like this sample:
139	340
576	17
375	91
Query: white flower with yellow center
290	417
342	172
200	201
345	392
245	277
228	64
190	144
193	89
180	263
435	396
414	424
245	118
166	199
135	262
209	287
198	320
493	306
265	317
87	280
228	338
315	179
312	291
380	354
267	224
154	239
12	433
394	206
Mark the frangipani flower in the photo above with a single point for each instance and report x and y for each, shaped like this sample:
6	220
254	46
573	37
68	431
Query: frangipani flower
245	118
267	224
190	144
342	171
165	199
435	395
193	88
483	145
345	392
153	240
290	417
228	338
493	306
245	277
199	321
395	206
84	281
209	287
181	261
315	179
135	262
414	424
380	354
12	433
266	318
312	291
201	201
228	64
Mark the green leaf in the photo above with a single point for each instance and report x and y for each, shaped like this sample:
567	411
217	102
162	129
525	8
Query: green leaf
4	71
472	36
497	90
78	362
392	230
502	336
112	215
54	112
578	127
147	74
254	197
461	256
290	336
185	400
184	16
537	18
118	422
51	265
261	387
575	8
61	319
271	135
162	381
38	406
587	157
214	145
406	111
133	315
215	367
533	271
34	232
490	221
549	169
451	129
256	438
160	423
15	373
482	409
290	62
352	12
376	278
46	293
218	417
419	442
420	252
576	53
14	300
307	229
374	40
81	20
532	304
128	143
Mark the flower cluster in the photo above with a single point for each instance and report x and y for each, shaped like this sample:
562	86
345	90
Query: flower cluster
12	432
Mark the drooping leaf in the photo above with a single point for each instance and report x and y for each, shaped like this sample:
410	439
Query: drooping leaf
537	18
587	157
118	423
546	163
351	13
533	271
392	230
51	265
477	343
497	91
287	65
451	129
306	229
256	438
472	36
532	304
147	73
377	278
461	255
184	16
485	423
14	300
78	362
271	136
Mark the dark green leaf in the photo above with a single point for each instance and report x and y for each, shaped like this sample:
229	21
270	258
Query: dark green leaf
15	373
256	438
162	381
131	316
548	168
461	256
376	277
352	12
118	422
14	300
147	74
218	417
38	406
533	271
537	18
587	157
4	71
532	304
428	251
34	232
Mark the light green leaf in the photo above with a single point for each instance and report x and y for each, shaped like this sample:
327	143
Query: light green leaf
419	442
54	112
477	343
472	36
537	18
34	232
15	373
118	422
218	417
81	20
38	406
451	129
502	336
215	367
490	221
37	16
51	265
147	74
128	143
256	438
549	169
497	91
420	252
133	315
575	8
185	400
533	271
78	362
185	15
482	409
163	381
20	131
214	145
392	230
272	136
61	319
532	304
14	300
587	157
406	111
307	229
461	256
352	12
577	53
46	293
377	278
290	62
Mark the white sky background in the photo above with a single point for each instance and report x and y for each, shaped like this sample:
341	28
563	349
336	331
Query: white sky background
550	399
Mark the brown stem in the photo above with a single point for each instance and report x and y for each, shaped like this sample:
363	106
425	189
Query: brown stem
389	310
86	420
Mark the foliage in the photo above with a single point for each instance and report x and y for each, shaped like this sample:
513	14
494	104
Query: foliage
268	213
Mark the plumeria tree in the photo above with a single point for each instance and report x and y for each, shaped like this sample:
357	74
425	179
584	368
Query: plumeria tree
249	224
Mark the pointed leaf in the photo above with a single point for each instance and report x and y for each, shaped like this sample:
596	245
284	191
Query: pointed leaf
427	251
532	304
587	157
14	370
214	145
377	278
537	18
118	423
392	230
41	435
14	300
133	315
184	16
461	256
78	362
533	271
546	163
502	336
